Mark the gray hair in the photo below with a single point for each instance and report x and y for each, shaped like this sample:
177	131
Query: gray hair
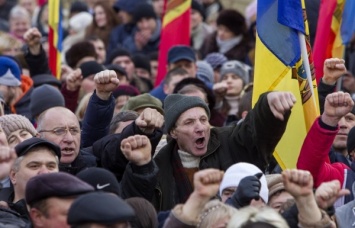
19	12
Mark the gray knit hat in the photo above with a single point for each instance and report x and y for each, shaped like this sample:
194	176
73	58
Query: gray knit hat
176	104
14	122
238	68
204	72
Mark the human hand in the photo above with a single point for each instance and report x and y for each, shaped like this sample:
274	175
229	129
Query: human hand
247	190
7	158
32	38
149	120
220	89
73	80
141	38
280	103
328	192
106	81
299	183
207	181
333	69
137	149
337	105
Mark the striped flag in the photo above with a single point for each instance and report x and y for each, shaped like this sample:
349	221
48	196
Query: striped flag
55	36
328	42
175	31
283	62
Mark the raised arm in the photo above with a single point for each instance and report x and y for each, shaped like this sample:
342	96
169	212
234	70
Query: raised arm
100	108
319	139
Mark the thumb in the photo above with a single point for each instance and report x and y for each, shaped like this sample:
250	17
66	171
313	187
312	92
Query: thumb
259	175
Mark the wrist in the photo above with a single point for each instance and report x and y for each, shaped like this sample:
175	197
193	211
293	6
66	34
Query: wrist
330	120
103	95
328	81
142	162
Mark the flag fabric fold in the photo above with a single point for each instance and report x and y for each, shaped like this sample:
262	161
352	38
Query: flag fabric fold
175	31
55	36
279	66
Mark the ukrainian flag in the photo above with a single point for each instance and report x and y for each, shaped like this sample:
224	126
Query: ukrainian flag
283	62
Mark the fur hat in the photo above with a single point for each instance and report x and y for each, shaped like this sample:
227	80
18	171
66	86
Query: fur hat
78	51
45	97
142	61
91	68
13	122
176	104
233	20
238	68
10	72
237	172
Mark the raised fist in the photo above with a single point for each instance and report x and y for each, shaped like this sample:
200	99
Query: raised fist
106	81
149	120
137	149
280	103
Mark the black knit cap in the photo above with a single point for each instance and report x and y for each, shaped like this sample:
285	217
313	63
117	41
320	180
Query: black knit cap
144	10
91	68
350	144
79	51
101	179
233	20
54	185
25	146
41	79
142	61
101	208
176	104
195	5
116	53
116	68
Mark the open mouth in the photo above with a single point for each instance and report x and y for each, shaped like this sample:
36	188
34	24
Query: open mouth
200	142
67	151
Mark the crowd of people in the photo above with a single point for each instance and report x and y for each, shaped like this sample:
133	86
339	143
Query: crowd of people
105	145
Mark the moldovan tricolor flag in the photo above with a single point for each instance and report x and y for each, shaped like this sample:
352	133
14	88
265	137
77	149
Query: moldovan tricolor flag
55	36
283	62
175	31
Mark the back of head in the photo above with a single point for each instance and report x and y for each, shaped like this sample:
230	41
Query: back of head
252	217
146	216
213	211
101	208
122	116
205	72
45	97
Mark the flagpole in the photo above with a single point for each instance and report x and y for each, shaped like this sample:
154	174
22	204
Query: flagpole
304	56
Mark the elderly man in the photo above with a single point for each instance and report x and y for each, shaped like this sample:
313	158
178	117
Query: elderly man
34	156
50	197
195	145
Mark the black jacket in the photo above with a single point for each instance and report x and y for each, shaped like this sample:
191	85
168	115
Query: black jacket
252	141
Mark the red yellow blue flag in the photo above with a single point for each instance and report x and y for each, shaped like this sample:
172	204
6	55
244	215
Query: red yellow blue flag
283	62
55	36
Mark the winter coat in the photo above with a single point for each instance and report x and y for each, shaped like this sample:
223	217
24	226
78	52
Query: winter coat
118	35
252	141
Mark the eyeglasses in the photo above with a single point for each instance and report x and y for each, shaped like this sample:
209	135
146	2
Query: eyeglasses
63	131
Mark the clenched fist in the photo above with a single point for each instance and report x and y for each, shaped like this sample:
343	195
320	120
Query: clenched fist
137	149
106	81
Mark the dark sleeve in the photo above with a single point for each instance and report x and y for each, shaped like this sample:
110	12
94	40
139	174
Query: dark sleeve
37	64
258	134
97	118
70	98
139	181
108	149
323	91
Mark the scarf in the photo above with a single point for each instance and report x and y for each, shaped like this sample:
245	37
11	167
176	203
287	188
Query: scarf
182	183
226	45
233	103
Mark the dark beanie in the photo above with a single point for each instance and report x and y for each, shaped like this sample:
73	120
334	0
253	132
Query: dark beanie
45	97
78	6
101	179
91	68
116	53
176	104
233	20
350	144
99	207
125	90
141	61
79	51
144	10
195	5
42	79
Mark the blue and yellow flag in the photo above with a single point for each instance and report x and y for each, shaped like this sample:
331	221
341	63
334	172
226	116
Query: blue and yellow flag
283	62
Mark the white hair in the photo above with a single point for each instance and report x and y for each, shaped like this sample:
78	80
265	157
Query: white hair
19	12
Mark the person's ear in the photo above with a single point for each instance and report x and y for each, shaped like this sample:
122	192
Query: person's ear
36	217
172	133
12	176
